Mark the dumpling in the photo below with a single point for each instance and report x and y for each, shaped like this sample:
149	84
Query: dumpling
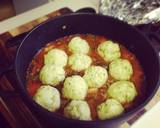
79	62
78	109
120	69
48	97
78	45
75	88
51	75
109	109
57	57
95	76
122	91
109	51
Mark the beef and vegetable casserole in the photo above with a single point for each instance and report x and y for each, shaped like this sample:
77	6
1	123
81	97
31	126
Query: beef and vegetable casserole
86	77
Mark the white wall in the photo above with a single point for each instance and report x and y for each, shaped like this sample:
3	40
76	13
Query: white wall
24	5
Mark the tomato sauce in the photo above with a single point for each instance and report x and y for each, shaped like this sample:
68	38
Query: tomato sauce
94	96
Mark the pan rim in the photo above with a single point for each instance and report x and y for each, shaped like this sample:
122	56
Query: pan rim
58	116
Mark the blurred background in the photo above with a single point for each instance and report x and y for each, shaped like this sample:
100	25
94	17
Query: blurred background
9	8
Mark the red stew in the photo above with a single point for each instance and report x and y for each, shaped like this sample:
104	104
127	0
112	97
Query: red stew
93	97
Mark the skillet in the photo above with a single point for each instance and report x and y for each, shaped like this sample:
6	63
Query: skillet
96	24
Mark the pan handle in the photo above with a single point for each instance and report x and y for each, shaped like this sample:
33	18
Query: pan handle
155	38
15	41
152	32
86	10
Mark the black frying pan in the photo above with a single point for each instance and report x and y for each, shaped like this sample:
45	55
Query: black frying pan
96	24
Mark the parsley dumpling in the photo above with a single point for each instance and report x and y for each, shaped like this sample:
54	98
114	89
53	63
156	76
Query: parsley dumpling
109	51
51	74
78	109
79	62
95	76
75	88
57	57
78	45
122	91
121	69
109	109
48	97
